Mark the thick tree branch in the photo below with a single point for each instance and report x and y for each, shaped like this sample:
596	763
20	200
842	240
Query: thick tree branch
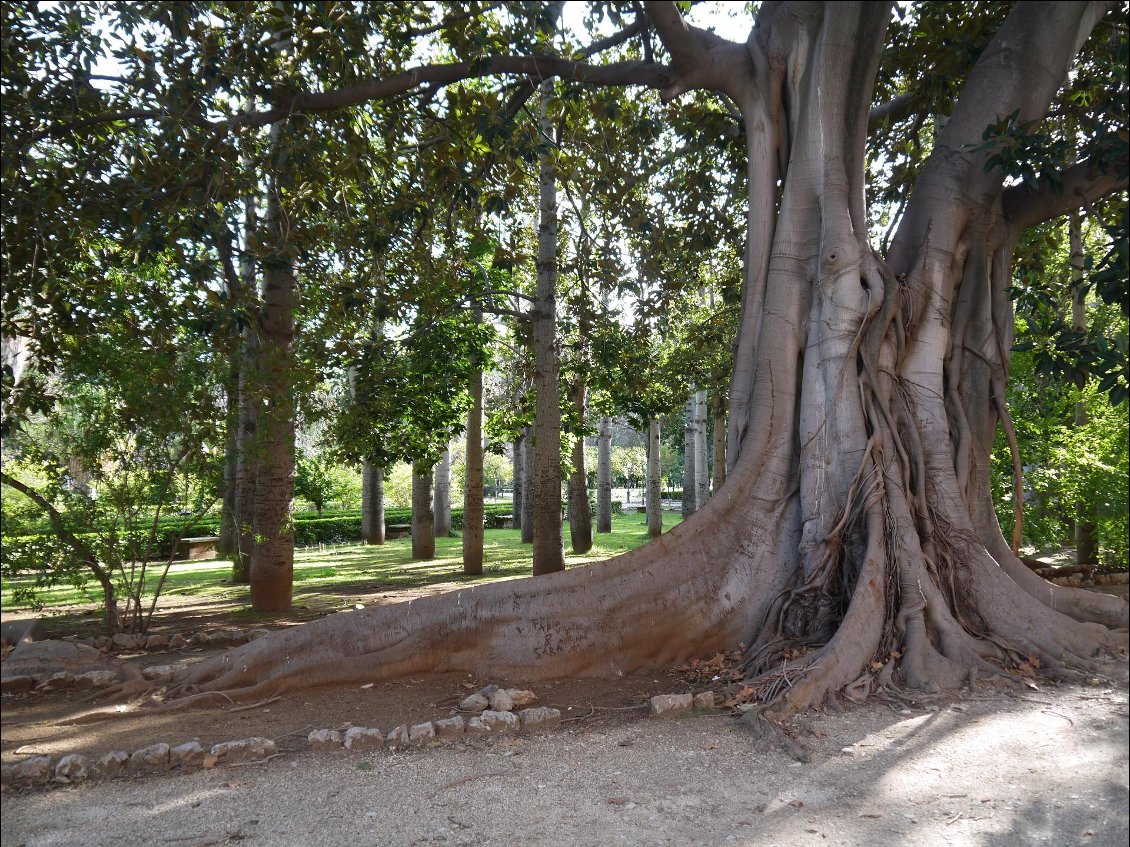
701	58
893	110
1083	183
538	67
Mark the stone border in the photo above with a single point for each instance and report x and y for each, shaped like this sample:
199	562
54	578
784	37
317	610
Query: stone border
491	711
491	714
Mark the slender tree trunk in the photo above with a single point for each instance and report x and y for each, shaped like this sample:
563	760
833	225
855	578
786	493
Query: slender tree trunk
1086	548
690	453
519	484
549	557
701	466
423	518
372	503
654	483
527	491
248	393
473	481
229	525
719	457
604	475
442	509
272	554
580	514
247	458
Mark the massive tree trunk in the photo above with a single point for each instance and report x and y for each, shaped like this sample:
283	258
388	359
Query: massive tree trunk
654	495
545	457
442	508
423	518
580	514
372	503
604	475
856	547
473	481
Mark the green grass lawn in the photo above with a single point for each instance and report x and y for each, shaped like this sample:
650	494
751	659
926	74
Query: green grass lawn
322	575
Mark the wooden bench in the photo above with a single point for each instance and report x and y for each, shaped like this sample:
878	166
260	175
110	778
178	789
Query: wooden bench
199	548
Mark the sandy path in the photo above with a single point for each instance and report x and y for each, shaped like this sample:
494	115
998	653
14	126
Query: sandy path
1000	770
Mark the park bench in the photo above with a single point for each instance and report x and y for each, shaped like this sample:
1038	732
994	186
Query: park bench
397	530
199	548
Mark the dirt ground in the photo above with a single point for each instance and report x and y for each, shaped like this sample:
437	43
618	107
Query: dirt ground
987	767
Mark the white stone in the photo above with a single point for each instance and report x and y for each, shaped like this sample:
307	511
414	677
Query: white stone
111	764
398	737
187	755
450	728
243	750
704	700
363	738
541	717
477	702
72	768
500	721
34	771
500	701
522	697
670	704
324	739
475	726
152	758
420	734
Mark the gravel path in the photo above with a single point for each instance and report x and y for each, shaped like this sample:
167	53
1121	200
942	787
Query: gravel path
1000	770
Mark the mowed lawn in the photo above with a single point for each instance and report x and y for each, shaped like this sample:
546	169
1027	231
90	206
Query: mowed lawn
325	575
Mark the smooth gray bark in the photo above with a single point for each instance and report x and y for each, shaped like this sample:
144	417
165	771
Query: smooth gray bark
518	467
549	557
701	467
604	475
580	513
690	450
442	504
527	491
372	503
473	481
654	483
423	519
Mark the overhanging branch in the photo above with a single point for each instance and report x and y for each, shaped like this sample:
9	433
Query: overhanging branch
1083	183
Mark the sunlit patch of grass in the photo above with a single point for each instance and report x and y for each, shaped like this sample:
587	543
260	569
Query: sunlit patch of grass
322	575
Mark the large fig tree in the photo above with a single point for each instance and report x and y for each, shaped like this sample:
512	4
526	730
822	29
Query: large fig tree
854	544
